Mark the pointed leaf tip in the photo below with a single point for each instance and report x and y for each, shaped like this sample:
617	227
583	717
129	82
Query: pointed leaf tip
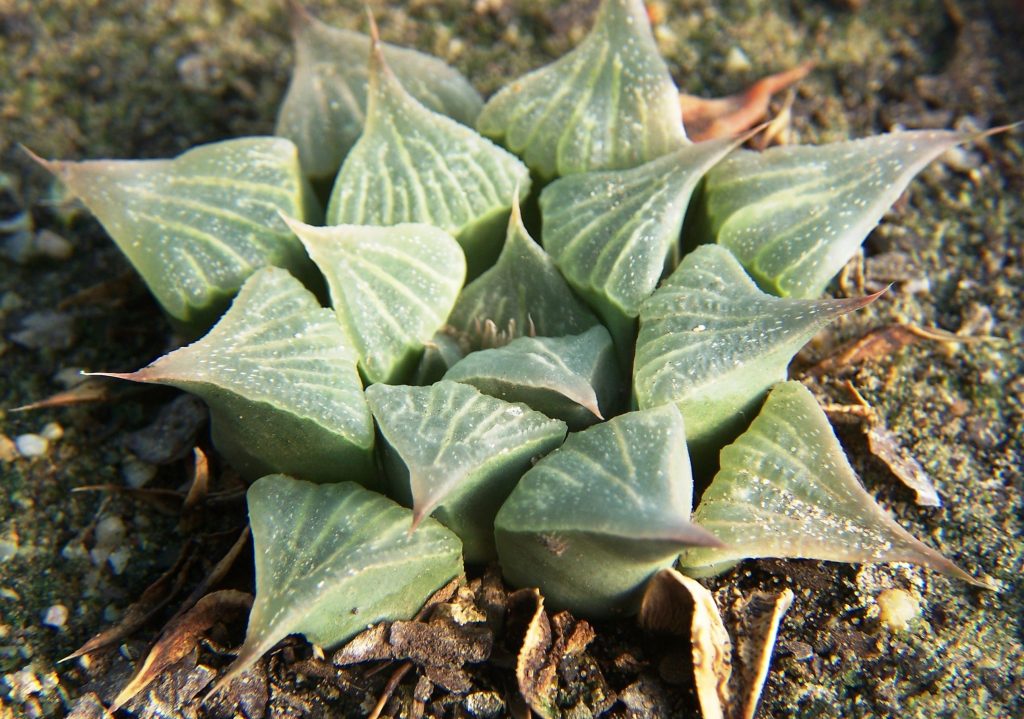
786	489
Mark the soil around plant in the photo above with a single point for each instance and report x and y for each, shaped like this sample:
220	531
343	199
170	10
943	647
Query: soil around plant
125	79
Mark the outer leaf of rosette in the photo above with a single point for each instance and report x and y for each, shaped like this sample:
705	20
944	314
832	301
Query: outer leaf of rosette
413	165
391	288
785	489
455	453
712	343
592	521
281	383
523	294
794	215
575	379
333	559
195	227
613	234
608	104
325	106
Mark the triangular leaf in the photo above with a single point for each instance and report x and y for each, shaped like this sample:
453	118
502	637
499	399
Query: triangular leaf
613	233
391	287
598	516
785	489
456	453
324	108
608	104
794	215
414	165
334	559
575	379
523	294
281	383
712	343
197	226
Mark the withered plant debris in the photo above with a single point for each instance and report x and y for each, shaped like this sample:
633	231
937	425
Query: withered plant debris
181	636
708	119
759	618
166	501
91	389
219	571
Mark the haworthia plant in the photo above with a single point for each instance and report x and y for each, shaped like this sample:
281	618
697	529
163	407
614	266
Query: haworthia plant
556	530
281	382
325	106
414	165
712	343
785	489
608	104
420	204
333	559
197	226
523	294
614	233
391	288
575	379
456	453
794	215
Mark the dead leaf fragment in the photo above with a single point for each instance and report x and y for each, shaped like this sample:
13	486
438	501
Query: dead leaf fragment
536	677
761	615
92	389
708	119
673	602
883	444
180	637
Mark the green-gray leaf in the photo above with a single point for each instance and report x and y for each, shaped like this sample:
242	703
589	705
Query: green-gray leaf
523	294
612	234
598	516
197	226
608	104
281	383
794	215
324	108
440	353
334	559
414	165
785	489
456	453
575	379
712	343
391	287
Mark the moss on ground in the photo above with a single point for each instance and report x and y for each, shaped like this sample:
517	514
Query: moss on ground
127	79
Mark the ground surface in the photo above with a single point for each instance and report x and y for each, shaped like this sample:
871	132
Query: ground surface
127	79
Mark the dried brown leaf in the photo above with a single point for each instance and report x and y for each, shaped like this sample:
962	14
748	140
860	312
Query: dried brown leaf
708	119
760	618
180	637
675	603
536	677
152	600
92	389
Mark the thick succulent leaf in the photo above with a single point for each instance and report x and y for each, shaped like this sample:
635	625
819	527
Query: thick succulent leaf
281	383
794	215
613	233
598	516
785	489
414	165
575	379
608	104
324	108
456	453
391	288
197	226
712	343
523	294
334	559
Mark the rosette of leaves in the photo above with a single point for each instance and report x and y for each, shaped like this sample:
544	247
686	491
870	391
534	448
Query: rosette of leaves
421	203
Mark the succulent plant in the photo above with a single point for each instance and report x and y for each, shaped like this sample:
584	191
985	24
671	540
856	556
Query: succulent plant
536	403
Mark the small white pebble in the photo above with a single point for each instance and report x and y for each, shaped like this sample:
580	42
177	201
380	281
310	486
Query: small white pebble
31	445
110	532
135	472
737	61
8	549
52	431
56	616
51	245
118	559
897	608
